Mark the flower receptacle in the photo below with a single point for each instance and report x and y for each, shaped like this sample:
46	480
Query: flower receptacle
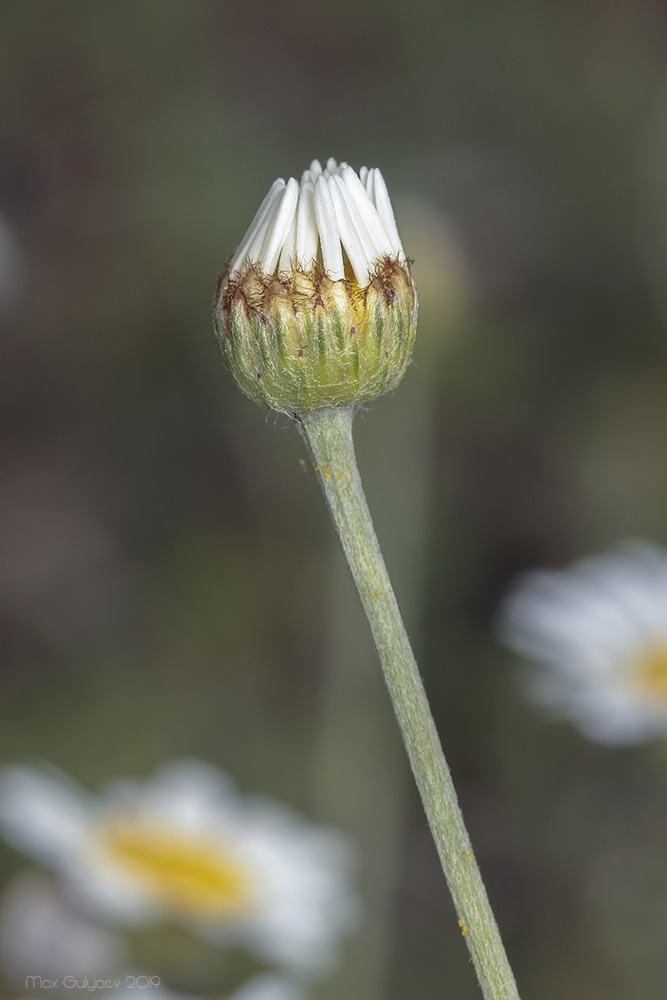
298	341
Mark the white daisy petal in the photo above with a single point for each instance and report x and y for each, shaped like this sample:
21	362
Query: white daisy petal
380	197
366	215
261	233
354	239
288	251
42	813
329	233
306	226
327	207
269	251
241	255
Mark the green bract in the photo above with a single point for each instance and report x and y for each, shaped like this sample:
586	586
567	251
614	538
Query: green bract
299	341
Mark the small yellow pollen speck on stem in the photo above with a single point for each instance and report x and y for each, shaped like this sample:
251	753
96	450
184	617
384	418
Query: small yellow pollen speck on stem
464	929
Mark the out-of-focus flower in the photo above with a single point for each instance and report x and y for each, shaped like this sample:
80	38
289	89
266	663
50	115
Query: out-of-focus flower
186	847
317	307
599	633
43	935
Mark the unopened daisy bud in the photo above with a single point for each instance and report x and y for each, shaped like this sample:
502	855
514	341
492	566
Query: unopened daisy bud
317	307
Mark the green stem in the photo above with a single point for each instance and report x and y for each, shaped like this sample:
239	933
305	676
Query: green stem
329	436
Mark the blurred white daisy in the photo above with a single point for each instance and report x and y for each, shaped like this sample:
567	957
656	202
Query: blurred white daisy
598	632
186	847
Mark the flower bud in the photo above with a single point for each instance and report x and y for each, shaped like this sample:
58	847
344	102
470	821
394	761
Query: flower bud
317	307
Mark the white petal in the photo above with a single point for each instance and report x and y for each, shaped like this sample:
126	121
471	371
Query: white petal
295	217
303	871
306	226
327	227
382	203
262	231
269	252
288	252
355	240
186	795
241	255
363	209
42	815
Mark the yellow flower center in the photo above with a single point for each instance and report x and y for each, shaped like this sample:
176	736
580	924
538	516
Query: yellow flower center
193	875
651	671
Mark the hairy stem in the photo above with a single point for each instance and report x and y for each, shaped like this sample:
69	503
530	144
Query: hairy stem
328	433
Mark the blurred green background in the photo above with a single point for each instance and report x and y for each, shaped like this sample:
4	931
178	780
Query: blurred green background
169	582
